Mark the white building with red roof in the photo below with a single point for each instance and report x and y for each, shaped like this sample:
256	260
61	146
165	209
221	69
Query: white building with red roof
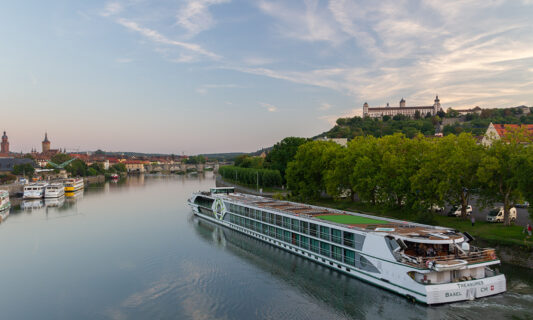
499	131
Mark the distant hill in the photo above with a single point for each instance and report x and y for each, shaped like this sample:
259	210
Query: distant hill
447	123
222	156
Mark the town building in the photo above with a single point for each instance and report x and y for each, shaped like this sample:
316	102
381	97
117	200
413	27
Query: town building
7	164
475	110
402	109
498	131
340	141
4	146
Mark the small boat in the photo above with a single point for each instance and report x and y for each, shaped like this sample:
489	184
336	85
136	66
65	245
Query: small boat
34	190
5	204
54	190
114	176
73	184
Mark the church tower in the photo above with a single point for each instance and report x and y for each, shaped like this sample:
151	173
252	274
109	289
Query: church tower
5	144
436	105
46	143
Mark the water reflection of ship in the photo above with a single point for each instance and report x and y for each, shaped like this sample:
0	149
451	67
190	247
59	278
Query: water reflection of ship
4	214
31	204
54	202
74	196
353	297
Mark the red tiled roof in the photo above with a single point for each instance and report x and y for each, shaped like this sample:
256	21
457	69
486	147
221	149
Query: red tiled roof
502	129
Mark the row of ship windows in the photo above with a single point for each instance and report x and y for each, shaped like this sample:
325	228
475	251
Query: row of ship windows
349	239
323	248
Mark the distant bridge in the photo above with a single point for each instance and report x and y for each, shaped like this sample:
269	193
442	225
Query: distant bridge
181	167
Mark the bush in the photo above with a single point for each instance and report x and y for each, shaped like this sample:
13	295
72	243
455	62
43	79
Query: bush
249	176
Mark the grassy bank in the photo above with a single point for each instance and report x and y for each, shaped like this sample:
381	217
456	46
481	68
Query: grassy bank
492	233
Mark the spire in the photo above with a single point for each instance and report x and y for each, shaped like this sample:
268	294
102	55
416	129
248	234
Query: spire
46	137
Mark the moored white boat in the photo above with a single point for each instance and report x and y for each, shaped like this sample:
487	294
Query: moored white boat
429	264
5	203
34	190
54	190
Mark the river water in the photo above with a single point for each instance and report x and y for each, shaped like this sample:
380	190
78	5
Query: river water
133	250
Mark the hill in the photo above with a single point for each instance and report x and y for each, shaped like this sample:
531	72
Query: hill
447	123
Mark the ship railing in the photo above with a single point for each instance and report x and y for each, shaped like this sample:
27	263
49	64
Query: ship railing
472	257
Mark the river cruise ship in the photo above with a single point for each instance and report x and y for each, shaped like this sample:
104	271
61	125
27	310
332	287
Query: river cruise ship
54	190
73	184
34	190
428	264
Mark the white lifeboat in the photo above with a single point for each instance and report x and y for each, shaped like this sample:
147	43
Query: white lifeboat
446	265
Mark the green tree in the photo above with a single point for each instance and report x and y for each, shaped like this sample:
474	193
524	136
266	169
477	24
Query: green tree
502	169
77	168
449	171
119	167
26	169
305	174
283	152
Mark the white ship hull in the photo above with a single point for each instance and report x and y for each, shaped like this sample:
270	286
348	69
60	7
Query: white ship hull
390	275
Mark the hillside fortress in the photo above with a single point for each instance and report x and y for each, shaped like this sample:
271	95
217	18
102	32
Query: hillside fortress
379	112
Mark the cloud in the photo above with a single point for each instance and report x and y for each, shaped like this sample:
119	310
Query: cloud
195	17
157	37
258	61
269	107
111	8
307	23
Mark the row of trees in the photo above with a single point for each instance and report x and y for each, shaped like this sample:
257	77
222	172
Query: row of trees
419	173
251	176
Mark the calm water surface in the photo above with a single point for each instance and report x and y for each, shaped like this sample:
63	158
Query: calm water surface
133	250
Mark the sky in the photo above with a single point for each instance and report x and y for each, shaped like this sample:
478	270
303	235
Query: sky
205	76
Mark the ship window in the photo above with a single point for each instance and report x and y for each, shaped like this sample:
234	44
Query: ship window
324	249
315	245
348	239
304	226
392	243
304	242
313	229
296	239
336	253
367	265
295	225
359	240
349	257
278	220
336	235
279	234
286	222
324	233
247	212
286	236
264	216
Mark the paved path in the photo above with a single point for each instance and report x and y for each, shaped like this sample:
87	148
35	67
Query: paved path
222	183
